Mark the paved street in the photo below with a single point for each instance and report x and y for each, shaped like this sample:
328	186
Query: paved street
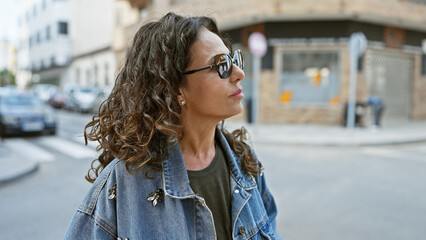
323	193
337	193
40	205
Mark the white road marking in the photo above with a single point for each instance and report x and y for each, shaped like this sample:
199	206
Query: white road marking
396	154
27	149
69	148
80	139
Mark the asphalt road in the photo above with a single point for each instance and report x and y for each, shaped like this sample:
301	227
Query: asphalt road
327	193
323	193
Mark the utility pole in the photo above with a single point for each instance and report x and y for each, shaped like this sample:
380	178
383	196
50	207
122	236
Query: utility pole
258	47
357	45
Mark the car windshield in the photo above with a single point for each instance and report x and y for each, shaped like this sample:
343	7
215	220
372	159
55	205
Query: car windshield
87	90
20	100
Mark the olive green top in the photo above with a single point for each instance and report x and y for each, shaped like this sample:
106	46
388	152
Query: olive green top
213	184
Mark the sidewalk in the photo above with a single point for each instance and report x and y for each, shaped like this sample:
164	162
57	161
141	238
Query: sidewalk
13	167
332	135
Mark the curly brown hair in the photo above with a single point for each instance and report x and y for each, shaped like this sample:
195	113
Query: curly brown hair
141	117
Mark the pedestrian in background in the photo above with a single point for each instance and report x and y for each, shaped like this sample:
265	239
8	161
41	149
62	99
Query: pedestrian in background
378	107
168	169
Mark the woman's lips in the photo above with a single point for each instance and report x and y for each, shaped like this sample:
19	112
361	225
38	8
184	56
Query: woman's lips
238	94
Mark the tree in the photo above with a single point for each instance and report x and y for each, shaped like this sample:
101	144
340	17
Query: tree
7	78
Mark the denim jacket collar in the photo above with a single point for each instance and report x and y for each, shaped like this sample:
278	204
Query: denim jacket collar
175	176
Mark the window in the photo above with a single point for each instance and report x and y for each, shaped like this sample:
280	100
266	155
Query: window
309	77
48	33
63	28
177	1
416	1
35	11
38	37
88	77
106	75
77	76
95	75
423	62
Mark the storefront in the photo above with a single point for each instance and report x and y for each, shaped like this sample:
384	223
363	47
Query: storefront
305	73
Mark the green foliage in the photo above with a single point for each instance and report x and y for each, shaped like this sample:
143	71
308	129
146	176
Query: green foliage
7	78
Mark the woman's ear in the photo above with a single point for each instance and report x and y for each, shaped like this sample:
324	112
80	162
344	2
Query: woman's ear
181	96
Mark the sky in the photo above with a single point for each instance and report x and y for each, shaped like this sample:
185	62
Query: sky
8	20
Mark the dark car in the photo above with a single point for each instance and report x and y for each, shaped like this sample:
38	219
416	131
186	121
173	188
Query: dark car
25	113
57	100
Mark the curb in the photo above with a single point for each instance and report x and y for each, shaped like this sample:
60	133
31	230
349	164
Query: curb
310	135
19	173
338	143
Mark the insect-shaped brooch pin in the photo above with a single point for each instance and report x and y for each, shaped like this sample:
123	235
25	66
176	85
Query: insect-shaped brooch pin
112	192
156	197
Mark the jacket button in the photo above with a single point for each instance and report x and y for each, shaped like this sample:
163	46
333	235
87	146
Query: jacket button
242	230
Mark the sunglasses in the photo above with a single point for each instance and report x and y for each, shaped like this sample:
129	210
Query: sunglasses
223	63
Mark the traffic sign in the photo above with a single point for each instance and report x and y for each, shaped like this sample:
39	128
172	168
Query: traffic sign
357	44
257	44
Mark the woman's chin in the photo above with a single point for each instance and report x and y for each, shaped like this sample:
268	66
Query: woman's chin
237	110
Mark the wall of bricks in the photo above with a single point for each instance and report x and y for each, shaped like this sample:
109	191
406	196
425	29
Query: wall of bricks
230	13
237	13
419	91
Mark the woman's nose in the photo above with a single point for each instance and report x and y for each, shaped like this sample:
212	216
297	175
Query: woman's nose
237	73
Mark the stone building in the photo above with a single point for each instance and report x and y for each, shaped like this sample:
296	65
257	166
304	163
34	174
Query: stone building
305	73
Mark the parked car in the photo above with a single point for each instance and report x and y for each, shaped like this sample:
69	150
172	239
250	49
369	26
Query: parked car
69	98
57	100
79	98
25	113
44	91
102	96
85	98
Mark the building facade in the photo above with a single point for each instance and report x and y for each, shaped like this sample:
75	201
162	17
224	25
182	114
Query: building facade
93	61
305	73
44	43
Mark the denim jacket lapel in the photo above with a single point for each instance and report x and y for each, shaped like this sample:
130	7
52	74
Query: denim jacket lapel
245	181
175	176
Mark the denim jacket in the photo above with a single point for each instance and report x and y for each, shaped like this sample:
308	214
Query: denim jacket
118	205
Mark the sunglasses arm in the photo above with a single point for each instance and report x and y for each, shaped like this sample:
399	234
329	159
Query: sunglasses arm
199	69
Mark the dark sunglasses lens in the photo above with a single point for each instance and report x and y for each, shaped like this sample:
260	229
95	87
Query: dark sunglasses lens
224	66
238	59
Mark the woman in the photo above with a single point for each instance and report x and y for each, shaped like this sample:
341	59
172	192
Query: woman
166	171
